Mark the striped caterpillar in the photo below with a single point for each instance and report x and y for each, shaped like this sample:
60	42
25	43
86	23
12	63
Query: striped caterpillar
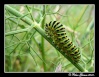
57	33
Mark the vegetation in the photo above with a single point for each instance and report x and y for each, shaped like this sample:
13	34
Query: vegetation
27	48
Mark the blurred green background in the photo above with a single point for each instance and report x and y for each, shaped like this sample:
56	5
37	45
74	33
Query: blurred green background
79	22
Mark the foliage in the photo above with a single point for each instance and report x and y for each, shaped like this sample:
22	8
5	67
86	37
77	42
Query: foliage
27	51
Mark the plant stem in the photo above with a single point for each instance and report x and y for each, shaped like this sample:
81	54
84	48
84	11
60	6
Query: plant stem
21	26
18	14
42	39
15	32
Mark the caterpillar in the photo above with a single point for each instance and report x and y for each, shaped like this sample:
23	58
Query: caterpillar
57	33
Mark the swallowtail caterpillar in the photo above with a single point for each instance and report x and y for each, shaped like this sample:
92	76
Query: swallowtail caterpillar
57	33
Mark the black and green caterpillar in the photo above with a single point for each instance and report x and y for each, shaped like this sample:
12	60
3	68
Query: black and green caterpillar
57	33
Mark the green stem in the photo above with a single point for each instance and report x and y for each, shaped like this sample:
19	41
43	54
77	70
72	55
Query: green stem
18	14
42	39
15	32
21	26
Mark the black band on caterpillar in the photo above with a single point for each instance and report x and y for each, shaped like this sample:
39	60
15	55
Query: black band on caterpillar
57	33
